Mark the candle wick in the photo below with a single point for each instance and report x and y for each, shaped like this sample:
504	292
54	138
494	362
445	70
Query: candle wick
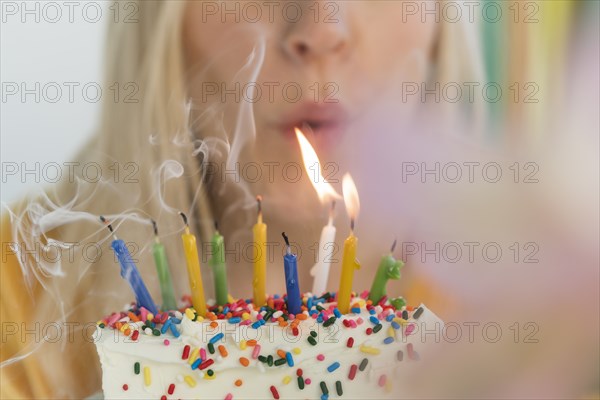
352	224
331	210
154	227
216	226
184	217
259	204
394	245
108	224
287	242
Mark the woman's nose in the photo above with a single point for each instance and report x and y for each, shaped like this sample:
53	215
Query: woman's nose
321	32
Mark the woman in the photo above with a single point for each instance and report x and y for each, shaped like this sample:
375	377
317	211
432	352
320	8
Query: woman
213	96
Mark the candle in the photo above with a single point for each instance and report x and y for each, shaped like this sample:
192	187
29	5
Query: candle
320	271
290	266
217	262
389	268
259	253
130	273
162	269
349	262
193	267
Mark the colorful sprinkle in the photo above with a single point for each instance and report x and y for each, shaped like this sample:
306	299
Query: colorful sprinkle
174	331
186	351
382	380
388	340
244	361
223	351
193	356
363	364
418	313
370	350
166	326
320	357
333	366
286	379
350	342
216	338
171	389
238	382
338	388
289	359
206	364
256	351
352	372
190	381
300	383
279	362
324	389
147	376
136	368
412	354
274	392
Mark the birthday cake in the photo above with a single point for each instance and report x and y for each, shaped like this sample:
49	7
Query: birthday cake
236	351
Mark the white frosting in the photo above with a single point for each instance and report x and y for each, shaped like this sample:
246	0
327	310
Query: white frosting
118	354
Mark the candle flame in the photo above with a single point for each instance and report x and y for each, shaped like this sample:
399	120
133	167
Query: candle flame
350	197
309	156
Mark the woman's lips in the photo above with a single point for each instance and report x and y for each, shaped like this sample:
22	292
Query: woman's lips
323	123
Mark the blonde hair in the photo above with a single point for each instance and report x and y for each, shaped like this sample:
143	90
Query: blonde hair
143	136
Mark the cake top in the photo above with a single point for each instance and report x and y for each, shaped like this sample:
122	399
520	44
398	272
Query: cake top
323	309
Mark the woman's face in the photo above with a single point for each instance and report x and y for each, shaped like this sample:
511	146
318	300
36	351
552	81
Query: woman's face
327	67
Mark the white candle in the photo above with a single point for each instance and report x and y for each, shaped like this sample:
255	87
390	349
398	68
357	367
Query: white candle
320	271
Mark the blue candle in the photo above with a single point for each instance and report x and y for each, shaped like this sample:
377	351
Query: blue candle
290	266
130	273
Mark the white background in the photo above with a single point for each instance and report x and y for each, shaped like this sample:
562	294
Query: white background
36	49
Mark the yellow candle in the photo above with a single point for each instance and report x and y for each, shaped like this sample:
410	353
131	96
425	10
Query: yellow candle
259	252
193	267
349	262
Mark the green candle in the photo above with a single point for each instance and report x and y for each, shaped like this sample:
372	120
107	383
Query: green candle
217	262
389	268
164	276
